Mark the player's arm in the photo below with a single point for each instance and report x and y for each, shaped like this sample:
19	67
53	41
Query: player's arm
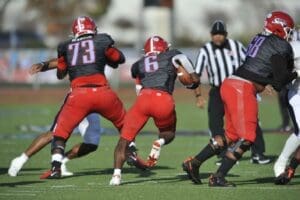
181	60
282	74
43	66
135	75
61	68
114	57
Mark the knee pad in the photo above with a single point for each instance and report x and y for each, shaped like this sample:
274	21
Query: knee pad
86	149
216	146
58	144
244	145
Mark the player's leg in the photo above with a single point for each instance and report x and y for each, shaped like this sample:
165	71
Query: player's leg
134	121
37	144
293	141
216	145
90	130
241	108
258	148
285	177
162	110
167	127
71	114
216	114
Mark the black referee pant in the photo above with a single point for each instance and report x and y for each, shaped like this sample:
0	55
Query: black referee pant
216	121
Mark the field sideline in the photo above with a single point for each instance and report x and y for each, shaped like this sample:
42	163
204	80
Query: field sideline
92	173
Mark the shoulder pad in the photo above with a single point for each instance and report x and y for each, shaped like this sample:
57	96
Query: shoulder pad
103	37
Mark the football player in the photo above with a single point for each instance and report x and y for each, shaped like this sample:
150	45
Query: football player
269	61
83	58
156	72
89	129
284	173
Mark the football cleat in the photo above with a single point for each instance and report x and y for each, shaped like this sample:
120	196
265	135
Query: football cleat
65	171
151	161
260	159
219	181
54	173
15	166
191	170
115	180
285	177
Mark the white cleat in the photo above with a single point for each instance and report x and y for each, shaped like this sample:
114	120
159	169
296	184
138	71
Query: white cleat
115	180
15	166
279	166
64	170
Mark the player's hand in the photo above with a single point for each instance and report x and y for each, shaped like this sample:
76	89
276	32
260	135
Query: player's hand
200	102
35	68
269	90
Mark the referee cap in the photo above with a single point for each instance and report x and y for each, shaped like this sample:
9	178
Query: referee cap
218	27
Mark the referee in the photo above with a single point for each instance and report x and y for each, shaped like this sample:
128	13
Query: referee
221	57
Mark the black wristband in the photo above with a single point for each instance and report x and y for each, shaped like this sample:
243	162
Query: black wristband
198	95
45	66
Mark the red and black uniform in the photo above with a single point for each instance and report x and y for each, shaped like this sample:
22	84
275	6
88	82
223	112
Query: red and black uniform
269	61
157	76
84	60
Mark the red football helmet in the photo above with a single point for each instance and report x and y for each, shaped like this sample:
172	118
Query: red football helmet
155	44
279	23
83	25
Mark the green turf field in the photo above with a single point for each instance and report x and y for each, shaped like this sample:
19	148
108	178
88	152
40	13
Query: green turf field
166	181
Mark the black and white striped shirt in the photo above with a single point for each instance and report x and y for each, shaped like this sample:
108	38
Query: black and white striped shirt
220	62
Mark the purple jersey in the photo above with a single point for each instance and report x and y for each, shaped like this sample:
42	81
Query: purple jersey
259	65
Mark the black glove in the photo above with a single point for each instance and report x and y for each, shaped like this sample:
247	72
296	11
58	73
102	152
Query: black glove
193	86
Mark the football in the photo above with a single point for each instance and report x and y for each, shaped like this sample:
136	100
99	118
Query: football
184	77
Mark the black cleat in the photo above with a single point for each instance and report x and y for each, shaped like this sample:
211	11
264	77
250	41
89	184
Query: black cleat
219	181
285	177
260	159
191	170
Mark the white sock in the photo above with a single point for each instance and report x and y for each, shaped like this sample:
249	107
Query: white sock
161	141
155	150
65	160
23	157
117	172
290	147
57	157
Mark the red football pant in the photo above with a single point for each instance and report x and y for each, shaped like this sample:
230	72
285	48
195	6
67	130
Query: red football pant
82	101
241	109
150	103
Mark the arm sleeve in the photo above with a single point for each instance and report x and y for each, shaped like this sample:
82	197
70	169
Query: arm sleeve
281	73
183	60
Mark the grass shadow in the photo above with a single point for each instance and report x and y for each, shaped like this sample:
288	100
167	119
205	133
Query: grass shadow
14	184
